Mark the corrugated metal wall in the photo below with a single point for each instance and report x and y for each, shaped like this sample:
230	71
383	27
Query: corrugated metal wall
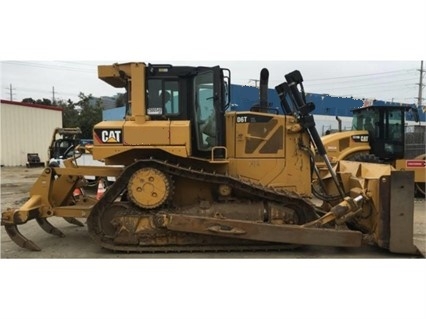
243	97
26	129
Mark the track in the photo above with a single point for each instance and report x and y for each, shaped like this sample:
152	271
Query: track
114	208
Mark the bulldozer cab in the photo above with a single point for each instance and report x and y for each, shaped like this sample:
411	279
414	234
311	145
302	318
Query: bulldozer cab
197	97
171	97
385	125
198	94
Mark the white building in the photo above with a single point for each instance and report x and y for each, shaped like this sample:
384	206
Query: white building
26	128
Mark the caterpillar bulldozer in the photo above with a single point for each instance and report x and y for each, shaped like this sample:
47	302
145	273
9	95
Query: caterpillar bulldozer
193	176
380	135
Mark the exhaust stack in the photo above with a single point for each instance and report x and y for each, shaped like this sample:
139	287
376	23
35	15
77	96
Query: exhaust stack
263	88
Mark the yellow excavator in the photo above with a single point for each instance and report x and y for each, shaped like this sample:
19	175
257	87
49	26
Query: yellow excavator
192	176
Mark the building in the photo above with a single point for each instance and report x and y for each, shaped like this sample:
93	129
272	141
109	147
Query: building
243	97
327	107
26	128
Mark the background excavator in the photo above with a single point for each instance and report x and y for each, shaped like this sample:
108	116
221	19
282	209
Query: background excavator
191	175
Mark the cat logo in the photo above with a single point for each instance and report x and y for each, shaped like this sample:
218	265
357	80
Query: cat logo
109	136
360	138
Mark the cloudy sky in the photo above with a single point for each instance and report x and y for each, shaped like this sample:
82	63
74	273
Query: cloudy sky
385	80
340	49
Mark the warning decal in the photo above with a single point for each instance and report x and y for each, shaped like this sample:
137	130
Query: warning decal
415	163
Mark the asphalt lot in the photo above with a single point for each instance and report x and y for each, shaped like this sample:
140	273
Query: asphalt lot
16	182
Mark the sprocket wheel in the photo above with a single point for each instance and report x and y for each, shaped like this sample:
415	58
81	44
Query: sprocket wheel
149	188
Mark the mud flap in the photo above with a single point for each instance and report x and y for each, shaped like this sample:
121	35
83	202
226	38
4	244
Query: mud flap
399	225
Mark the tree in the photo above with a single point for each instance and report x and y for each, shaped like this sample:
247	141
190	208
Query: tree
28	100
90	114
70	116
84	114
121	99
44	102
38	101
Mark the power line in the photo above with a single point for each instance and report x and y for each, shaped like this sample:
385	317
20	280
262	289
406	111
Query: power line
78	63
360	83
360	75
378	80
376	93
370	81
50	66
21	93
372	86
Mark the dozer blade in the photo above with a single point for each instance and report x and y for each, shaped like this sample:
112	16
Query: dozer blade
19	239
49	228
401	213
74	221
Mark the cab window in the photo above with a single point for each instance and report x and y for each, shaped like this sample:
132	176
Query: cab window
163	97
205	111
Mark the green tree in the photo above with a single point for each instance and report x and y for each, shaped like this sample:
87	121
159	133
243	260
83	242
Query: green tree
70	116
121	99
28	100
84	113
90	114
44	101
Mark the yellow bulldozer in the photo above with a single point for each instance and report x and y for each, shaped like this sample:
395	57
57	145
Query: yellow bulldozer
190	175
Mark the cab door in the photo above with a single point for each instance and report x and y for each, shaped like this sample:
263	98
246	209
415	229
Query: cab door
209	108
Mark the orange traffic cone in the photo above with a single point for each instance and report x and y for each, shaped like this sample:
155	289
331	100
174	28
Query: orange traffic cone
101	189
76	193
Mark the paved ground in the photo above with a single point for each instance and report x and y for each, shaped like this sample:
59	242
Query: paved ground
16	182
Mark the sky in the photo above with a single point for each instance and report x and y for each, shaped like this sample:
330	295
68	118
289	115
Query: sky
341	48
382	80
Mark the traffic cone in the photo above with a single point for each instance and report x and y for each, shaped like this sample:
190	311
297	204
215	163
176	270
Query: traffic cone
76	193
101	189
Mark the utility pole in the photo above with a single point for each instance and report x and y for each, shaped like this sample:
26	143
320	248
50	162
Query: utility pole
53	95
420	98
11	94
